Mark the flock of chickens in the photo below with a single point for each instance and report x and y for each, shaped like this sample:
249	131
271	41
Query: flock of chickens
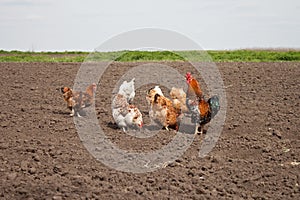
163	111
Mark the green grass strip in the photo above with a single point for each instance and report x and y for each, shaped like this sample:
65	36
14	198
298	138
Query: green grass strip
142	56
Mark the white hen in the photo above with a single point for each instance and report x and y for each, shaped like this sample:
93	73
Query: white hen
126	115
127	90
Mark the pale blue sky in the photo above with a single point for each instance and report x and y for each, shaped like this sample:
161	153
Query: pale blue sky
59	25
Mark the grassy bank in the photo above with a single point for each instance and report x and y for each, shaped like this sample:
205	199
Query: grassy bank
130	56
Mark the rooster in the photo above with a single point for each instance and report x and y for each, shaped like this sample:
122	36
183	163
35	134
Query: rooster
125	114
162	110
202	111
76	101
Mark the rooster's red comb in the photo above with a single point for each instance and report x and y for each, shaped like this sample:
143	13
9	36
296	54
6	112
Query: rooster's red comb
188	76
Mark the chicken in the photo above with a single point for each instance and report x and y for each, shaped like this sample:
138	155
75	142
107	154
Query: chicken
88	96
179	100
76	101
126	115
161	109
127	90
202	111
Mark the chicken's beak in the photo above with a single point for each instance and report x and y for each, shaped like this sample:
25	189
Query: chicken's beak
141	125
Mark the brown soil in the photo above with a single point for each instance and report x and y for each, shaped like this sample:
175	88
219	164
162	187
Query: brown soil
256	157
